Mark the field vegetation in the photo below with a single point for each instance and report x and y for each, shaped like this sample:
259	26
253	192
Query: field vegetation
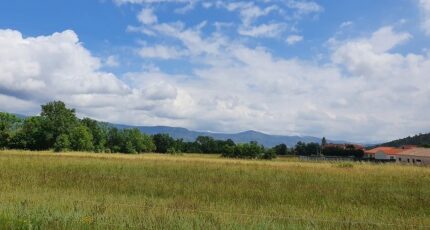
46	190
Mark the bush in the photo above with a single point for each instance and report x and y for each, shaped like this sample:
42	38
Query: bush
249	151
269	154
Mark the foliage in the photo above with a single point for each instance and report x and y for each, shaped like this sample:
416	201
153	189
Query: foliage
81	139
57	128
8	123
307	149
57	120
163	142
281	149
250	150
420	140
350	151
62	143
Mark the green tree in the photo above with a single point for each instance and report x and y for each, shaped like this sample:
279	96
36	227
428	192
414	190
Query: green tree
8	127
31	135
300	149
58	119
141	142
269	154
62	143
281	149
250	150
163	142
81	139
207	144
99	131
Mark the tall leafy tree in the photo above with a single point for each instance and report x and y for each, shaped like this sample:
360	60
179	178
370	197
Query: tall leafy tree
281	149
163	142
58	119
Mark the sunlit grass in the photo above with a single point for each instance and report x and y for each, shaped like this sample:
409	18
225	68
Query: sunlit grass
111	191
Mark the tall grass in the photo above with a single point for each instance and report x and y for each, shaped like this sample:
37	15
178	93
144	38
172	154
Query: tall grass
43	190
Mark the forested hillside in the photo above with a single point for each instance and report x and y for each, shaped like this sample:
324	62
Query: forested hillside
420	140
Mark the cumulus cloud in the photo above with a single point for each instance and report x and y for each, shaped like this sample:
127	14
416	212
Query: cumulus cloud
57	67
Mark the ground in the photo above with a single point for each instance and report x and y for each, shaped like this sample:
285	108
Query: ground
45	190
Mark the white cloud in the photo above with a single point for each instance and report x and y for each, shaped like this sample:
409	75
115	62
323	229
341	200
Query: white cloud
293	39
368	56
147	16
36	67
57	67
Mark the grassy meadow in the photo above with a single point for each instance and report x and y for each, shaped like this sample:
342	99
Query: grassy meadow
45	190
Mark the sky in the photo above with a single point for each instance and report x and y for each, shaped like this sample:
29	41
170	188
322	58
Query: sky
356	70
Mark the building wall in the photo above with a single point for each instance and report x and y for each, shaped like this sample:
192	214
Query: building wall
382	156
413	159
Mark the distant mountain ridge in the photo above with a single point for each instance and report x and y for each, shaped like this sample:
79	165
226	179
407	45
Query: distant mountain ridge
242	137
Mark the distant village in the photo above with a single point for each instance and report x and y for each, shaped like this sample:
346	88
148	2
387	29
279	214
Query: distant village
408	154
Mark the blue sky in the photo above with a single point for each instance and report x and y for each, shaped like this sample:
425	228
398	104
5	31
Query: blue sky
348	69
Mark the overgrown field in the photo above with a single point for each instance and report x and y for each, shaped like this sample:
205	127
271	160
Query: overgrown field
43	190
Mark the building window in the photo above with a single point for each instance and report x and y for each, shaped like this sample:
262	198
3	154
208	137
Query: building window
418	161
408	160
400	159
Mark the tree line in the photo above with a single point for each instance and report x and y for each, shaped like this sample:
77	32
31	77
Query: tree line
422	140
58	128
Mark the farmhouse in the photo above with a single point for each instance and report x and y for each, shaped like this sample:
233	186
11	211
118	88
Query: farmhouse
382	153
405	154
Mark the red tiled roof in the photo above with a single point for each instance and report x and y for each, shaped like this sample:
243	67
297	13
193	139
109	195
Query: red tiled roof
386	150
418	152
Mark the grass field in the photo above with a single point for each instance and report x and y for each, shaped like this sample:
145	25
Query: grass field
43	190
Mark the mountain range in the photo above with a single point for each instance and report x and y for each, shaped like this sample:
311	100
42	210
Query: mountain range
242	137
